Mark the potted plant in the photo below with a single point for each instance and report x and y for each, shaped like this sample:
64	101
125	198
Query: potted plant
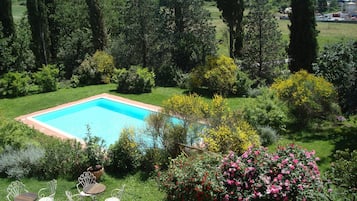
96	153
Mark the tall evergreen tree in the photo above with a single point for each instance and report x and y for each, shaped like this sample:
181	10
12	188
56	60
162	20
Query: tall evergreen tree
40	43
54	28
232	13
303	45
97	24
190	34
6	19
263	48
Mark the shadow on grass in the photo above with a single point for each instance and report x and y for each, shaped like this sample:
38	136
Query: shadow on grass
342	137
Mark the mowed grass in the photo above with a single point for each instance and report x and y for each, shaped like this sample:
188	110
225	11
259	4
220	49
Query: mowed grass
18	9
135	188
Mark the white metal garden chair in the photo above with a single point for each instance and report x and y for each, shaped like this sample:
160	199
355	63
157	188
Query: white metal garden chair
48	193
73	197
85	179
14	189
116	194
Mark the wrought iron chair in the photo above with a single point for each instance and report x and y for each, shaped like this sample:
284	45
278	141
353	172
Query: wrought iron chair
14	189
116	194
85	179
48	193
73	197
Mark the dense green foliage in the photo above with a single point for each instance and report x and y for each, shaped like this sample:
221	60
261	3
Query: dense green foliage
96	21
343	173
6	18
303	45
337	64
97	69
268	110
47	78
135	80
40	41
14	84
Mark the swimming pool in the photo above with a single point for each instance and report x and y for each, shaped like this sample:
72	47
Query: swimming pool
105	115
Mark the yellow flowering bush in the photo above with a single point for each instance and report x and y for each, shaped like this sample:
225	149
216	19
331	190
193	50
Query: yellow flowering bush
237	138
218	75
307	95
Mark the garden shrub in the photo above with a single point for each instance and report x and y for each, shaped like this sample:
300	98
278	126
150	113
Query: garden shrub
226	130
192	178
243	84
343	173
268	135
46	78
62	158
124	155
135	80
290	173
19	163
267	110
153	157
219	75
237	137
308	96
97	69
14	84
15	134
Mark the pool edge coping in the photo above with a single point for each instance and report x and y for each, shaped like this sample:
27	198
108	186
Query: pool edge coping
28	119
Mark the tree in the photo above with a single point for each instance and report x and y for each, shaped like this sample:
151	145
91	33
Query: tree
37	17
53	27
139	33
263	47
6	19
303	45
97	24
191	36
321	6
337	64
232	13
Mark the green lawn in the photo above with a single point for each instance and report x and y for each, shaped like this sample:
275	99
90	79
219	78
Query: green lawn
135	189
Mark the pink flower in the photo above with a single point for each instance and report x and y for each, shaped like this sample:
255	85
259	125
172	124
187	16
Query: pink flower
273	189
295	161
230	182
245	155
280	177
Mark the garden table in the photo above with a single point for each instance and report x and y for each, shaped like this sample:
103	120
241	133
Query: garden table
26	197
94	188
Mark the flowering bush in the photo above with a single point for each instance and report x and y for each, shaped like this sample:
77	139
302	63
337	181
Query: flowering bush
307	95
192	178
289	174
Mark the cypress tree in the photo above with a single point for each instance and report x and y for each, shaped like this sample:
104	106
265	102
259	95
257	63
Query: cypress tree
6	19
97	24
303	45
232	13
40	43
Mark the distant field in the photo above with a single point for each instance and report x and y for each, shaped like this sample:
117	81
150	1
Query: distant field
329	32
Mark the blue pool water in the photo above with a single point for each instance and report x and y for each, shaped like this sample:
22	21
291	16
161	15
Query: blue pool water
106	119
